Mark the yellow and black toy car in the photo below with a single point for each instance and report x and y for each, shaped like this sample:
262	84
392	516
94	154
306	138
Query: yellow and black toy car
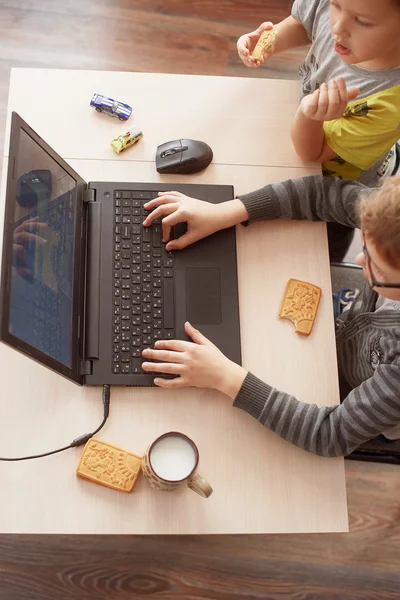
131	137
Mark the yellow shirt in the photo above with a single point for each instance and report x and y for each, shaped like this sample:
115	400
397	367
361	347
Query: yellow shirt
365	134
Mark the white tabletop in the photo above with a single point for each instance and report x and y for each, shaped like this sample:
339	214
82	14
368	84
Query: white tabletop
261	483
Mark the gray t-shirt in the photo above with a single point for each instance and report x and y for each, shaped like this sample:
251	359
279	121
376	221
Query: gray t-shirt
364	136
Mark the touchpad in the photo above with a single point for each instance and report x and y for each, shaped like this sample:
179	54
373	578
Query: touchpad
203	296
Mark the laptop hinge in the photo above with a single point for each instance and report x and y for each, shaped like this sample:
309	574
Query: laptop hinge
86	367
89	195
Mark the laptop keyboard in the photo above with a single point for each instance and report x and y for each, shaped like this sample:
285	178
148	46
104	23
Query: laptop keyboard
143	283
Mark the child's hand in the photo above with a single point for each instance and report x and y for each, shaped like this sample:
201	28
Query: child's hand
202	218
198	364
329	102
247	42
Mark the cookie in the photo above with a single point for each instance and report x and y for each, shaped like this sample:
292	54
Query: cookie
299	305
108	465
266	39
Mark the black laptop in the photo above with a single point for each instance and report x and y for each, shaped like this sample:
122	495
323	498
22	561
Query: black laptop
85	287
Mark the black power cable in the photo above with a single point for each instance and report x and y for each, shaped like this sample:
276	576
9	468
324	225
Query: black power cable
82	439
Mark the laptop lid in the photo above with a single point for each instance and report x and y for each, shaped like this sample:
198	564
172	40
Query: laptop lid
42	279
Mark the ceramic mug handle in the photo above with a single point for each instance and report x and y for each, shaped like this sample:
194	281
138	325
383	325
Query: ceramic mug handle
200	485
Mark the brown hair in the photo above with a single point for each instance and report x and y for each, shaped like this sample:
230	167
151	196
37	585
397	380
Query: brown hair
380	219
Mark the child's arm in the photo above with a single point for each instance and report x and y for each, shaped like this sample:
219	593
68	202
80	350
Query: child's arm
290	34
368	410
328	103
314	198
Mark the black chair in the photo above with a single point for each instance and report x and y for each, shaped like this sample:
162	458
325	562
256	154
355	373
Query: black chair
380	449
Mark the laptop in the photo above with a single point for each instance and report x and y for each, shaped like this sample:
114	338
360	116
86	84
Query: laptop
85	287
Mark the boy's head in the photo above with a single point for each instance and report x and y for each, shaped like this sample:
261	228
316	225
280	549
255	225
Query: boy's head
366	32
380	224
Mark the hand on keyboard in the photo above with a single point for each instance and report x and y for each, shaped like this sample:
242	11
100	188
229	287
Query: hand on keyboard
198	364
202	218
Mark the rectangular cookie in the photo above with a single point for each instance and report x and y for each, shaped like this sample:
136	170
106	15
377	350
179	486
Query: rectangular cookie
266	39
109	466
299	305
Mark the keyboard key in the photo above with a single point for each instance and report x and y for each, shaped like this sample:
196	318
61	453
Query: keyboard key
125	368
157	236
168	304
142	195
136	366
146	235
168	334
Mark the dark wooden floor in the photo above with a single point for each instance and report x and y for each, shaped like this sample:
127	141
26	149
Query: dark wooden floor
181	36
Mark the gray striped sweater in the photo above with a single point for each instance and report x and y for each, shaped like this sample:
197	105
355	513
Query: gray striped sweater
368	344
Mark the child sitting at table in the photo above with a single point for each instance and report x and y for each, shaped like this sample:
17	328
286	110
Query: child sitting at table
367	333
349	114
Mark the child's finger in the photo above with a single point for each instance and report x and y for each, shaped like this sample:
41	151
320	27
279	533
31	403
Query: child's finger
323	100
342	89
334	95
353	93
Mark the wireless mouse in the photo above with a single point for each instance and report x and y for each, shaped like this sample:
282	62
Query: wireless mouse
183	157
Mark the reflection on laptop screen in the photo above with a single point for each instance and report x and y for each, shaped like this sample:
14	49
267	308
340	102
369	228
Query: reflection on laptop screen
43	250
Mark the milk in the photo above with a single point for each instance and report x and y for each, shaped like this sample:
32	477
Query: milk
173	458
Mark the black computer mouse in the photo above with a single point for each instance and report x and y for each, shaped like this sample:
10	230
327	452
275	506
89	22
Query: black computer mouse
183	157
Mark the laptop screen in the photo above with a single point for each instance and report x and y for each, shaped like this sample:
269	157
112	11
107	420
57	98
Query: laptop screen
43	252
41	295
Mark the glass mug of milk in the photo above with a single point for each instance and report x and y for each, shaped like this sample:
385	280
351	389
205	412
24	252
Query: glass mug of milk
171	463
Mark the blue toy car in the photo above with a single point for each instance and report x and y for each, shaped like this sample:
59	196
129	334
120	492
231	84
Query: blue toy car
111	107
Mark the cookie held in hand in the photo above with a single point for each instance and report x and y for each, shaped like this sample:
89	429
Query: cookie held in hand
266	40
300	304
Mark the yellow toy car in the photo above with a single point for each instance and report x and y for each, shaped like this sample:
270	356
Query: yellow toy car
132	136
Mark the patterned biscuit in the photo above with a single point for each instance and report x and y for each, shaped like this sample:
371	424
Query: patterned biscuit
266	39
109	466
299	305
